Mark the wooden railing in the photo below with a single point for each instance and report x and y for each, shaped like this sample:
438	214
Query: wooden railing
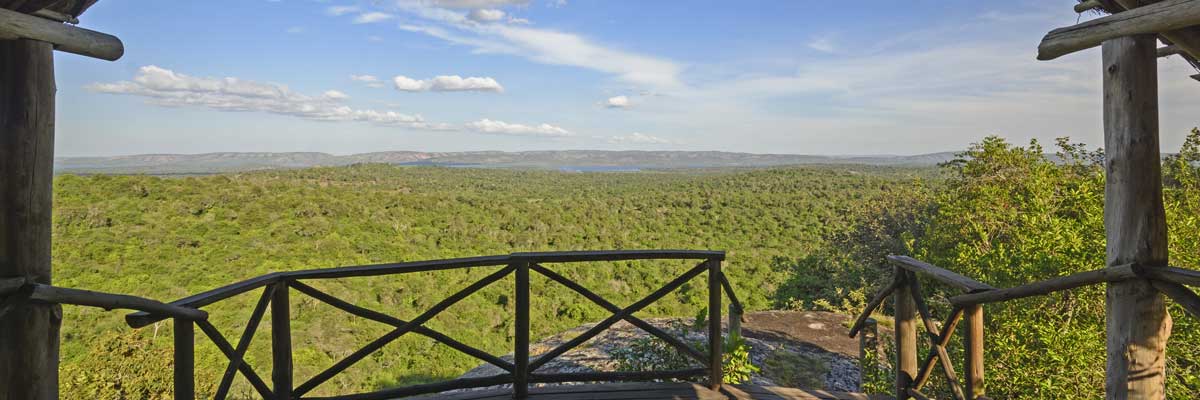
910	303
520	373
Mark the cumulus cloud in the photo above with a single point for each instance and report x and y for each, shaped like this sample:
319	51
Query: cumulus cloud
618	102
493	127
372	17
341	10
168	88
447	83
638	138
486	15
369	80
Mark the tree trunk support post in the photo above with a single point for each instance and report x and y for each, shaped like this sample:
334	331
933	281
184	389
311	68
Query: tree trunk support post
281	342
521	330
715	375
29	338
185	360
1137	324
906	336
973	315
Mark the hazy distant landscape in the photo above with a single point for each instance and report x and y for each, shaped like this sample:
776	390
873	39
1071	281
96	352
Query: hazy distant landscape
587	160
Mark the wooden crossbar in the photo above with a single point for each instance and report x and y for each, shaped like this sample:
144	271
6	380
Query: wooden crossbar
243	367
399	331
244	343
613	308
635	307
397	322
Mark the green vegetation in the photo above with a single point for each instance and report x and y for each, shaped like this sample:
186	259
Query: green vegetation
166	238
1007	215
810	237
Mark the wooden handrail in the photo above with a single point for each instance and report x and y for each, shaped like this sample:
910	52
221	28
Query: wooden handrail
939	274
110	301
1111	274
520	373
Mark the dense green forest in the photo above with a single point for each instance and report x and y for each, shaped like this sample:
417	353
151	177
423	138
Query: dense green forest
165	238
801	237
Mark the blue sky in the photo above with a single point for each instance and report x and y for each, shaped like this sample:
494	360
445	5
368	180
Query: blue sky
811	77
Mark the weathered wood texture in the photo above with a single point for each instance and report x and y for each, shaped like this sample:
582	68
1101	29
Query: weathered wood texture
906	337
715	374
939	274
1186	40
1137	323
30	334
185	360
1159	17
973	344
1111	274
68	38
110	301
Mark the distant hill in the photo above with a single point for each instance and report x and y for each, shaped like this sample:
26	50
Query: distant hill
556	159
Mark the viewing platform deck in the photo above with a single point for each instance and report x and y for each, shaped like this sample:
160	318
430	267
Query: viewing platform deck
650	390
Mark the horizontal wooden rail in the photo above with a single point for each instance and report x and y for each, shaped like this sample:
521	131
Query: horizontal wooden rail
436	387
109	301
620	255
939	274
1174	274
617	376
1111	274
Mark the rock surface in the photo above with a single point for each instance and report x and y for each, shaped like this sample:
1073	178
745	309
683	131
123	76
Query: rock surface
793	348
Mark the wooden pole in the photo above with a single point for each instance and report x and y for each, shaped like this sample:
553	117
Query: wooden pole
974	348
868	349
185	360
281	342
906	337
1137	322
29	333
521	330
715	374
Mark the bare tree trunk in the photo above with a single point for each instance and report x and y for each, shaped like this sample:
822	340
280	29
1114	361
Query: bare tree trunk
1137	324
28	332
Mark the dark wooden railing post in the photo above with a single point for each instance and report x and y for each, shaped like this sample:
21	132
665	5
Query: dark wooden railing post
185	360
281	342
974	346
715	375
521	330
906	336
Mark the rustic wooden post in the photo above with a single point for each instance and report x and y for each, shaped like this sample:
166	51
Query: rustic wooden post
715	374
906	336
521	330
185	360
281	342
973	315
1137	323
29	336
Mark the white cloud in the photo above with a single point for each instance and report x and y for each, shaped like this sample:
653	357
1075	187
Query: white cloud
168	88
486	15
447	83
493	127
822	44
372	17
467	4
618	102
371	81
638	138
544	46
341	10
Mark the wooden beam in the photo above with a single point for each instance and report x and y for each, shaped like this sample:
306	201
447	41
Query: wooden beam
1167	51
1181	294
1087	5
1187	40
1177	275
1137	323
30	335
939	274
1111	274
109	301
906	337
1154	18
973	344
68	38
874	303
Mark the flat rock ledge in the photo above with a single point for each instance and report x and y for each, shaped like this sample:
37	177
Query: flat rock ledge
818	362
